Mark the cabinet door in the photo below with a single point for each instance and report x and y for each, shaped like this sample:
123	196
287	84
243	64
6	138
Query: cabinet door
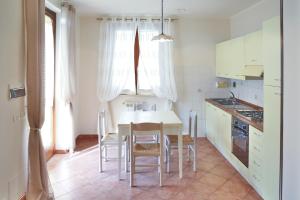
220	50
271	52
222	59
209	122
272	99
253	48
256	161
215	122
237	59
225	132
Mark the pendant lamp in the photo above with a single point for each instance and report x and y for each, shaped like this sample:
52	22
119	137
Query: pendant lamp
162	37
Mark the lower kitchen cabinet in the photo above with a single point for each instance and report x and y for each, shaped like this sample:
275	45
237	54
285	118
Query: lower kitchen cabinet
218	131
256	161
218	128
210	122
224	130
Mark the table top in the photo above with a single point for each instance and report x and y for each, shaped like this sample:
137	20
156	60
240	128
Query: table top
166	117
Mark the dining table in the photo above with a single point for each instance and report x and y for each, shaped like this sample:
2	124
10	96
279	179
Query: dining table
172	125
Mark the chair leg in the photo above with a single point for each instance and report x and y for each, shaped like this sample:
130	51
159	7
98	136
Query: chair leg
166	154
160	170
100	158
195	159
189	153
125	157
105	153
169	158
132	163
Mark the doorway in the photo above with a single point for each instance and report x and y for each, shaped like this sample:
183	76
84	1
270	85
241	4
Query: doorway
48	135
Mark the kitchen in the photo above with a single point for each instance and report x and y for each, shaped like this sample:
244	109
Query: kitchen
248	135
227	68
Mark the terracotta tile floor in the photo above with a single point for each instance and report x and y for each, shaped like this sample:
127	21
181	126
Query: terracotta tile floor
76	177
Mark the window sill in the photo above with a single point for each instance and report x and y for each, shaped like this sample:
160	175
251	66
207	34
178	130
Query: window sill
147	93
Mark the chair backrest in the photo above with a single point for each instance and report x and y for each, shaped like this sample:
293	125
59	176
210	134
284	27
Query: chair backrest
101	128
146	129
193	124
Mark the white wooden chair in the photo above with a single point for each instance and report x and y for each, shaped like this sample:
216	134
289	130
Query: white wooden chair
145	107
189	140
145	149
106	139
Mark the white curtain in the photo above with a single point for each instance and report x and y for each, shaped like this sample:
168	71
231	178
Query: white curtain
156	59
68	52
66	64
38	185
116	61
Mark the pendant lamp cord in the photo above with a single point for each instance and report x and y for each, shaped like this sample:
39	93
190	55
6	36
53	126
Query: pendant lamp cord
162	16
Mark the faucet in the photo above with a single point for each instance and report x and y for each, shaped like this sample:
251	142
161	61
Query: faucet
233	97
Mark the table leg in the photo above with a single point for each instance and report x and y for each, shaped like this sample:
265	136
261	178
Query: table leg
180	152
119	154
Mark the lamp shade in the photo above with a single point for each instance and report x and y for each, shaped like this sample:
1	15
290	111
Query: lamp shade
163	38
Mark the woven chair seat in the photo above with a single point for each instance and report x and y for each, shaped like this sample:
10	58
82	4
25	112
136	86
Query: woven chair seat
146	149
186	139
112	137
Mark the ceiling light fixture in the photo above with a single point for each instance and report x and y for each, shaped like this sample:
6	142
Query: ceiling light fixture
162	37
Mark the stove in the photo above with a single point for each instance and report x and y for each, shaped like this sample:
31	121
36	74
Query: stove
252	114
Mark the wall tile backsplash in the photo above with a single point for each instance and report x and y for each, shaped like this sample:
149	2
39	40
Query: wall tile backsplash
250	91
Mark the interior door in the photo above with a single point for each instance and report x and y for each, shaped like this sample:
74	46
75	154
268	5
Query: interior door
48	127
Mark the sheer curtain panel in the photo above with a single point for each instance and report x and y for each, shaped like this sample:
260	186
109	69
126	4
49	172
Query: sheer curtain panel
156	60
38	187
68	52
116	61
66	64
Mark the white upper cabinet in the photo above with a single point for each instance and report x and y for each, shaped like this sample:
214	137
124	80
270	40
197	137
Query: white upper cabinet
253	48
240	58
222	59
230	58
271	52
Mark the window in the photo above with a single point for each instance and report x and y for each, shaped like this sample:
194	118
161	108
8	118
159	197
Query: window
48	126
121	46
147	58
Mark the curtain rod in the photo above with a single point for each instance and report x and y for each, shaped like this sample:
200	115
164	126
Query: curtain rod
133	18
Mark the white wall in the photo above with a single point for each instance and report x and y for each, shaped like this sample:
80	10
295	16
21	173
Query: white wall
13	135
194	65
195	44
250	19
87	90
291	136
247	21
250	90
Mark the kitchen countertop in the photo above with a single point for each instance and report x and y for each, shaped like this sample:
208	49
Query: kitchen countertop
256	124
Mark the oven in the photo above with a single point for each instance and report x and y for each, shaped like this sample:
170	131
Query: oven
240	140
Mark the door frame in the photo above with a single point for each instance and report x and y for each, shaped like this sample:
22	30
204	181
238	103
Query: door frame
49	153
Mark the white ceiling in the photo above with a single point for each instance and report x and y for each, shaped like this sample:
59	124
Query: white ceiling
199	8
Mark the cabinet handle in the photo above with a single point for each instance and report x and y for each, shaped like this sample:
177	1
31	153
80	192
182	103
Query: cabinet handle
257	149
276	79
255	163
277	93
255	133
254	176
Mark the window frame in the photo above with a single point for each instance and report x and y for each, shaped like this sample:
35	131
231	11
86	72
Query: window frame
138	91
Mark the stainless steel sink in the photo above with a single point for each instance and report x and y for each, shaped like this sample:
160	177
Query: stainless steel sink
227	102
231	103
238	107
